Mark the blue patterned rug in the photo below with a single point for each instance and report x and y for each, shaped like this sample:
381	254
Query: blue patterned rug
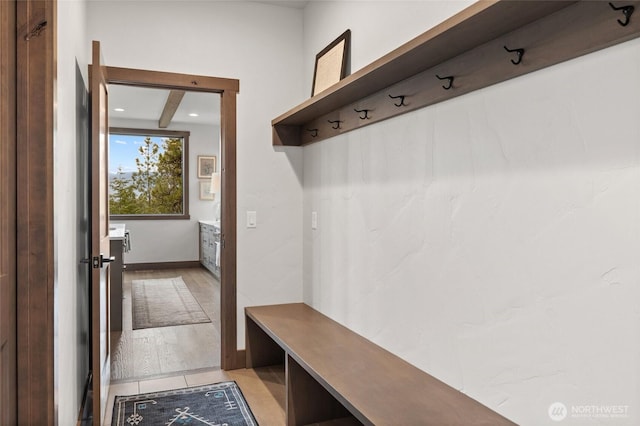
213	405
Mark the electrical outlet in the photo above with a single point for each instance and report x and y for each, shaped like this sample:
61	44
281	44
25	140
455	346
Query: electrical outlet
314	220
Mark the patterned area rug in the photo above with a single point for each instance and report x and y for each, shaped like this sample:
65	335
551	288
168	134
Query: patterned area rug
164	302
213	405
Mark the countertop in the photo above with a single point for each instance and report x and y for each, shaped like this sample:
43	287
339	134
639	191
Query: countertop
116	231
215	223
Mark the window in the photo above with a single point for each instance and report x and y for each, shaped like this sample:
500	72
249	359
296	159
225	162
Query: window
148	174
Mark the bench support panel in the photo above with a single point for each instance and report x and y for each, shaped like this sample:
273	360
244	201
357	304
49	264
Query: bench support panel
261	350
308	402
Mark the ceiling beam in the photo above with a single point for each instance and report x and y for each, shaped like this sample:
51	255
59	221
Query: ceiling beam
170	108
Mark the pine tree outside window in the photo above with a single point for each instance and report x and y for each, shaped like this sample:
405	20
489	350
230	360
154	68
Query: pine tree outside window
148	174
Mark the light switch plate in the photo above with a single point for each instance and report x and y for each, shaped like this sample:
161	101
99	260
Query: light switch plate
252	219
314	220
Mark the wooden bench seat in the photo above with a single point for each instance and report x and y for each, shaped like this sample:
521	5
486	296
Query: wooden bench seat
335	376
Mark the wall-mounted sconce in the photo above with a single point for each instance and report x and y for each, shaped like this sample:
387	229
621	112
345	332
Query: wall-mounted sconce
215	183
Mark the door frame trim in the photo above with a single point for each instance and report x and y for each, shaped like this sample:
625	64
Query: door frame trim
36	76
8	183
228	89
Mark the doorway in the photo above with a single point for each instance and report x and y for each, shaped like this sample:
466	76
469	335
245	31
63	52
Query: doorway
164	155
227	89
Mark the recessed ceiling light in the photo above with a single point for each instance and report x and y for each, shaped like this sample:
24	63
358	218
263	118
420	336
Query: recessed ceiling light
193	114
119	109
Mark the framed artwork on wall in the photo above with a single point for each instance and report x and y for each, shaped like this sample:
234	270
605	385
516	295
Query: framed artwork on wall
206	166
205	191
331	64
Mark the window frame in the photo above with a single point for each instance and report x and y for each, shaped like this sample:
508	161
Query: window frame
184	134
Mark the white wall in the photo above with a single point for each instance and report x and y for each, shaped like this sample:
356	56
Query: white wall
377	27
154	241
490	240
261	46
71	46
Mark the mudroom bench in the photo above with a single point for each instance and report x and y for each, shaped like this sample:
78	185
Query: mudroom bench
334	376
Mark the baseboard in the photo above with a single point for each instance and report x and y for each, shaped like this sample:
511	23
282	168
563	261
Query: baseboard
161	265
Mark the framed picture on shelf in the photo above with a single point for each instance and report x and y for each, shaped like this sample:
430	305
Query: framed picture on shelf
331	64
206	166
205	191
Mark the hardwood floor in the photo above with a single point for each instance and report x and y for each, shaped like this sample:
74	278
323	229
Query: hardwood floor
162	351
164	358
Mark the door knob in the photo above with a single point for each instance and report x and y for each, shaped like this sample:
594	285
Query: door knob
104	260
98	262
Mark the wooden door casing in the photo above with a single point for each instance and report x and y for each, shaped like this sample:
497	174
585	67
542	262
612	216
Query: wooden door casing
8	282
35	99
231	357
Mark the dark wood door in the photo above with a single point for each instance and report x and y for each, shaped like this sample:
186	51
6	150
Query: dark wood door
8	301
100	257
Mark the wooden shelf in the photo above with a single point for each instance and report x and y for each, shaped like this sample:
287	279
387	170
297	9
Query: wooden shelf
470	47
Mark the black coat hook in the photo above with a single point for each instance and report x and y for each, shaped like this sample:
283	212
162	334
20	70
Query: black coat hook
627	11
401	97
519	52
336	124
314	132
450	78
366	113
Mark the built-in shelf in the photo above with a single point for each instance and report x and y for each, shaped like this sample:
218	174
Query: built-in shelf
472	48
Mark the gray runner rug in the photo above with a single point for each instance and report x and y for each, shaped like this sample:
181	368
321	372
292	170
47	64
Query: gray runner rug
164	302
215	405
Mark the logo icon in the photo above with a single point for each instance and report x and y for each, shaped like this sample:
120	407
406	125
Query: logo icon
558	411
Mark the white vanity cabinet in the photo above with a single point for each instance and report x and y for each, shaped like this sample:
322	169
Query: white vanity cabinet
210	246
120	243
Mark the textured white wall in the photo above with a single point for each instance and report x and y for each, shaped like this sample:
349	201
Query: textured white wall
71	46
491	240
261	46
174	240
